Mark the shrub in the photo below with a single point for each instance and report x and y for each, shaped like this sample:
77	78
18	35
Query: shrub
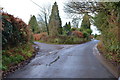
91	36
85	34
110	55
14	31
81	29
64	39
77	34
73	29
16	37
58	40
40	36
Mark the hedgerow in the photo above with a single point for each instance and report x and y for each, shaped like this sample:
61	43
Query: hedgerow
14	31
16	41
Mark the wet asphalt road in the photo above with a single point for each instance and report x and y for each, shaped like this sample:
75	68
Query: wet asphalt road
64	61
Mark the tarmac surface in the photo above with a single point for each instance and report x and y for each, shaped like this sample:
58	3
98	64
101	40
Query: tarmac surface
64	61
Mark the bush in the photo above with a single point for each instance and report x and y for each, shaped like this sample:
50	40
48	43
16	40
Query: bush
77	34
73	29
85	34
63	39
16	37
14	31
89	31
81	29
40	36
110	55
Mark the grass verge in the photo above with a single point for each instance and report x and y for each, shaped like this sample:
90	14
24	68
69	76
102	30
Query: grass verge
63	40
15	57
113	58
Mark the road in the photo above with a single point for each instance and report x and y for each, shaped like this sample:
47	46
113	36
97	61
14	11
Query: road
64	61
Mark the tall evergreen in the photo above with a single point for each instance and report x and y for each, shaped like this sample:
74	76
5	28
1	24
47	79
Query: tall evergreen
67	27
55	27
86	22
85	25
33	24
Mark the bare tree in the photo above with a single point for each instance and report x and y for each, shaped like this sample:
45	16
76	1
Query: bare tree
78	7
44	14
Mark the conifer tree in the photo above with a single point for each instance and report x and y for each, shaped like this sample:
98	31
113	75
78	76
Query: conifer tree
33	24
85	26
67	27
86	22
55	27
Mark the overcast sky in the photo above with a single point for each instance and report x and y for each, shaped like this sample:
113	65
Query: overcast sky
24	8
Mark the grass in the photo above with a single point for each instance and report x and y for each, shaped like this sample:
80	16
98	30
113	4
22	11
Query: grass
16	55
